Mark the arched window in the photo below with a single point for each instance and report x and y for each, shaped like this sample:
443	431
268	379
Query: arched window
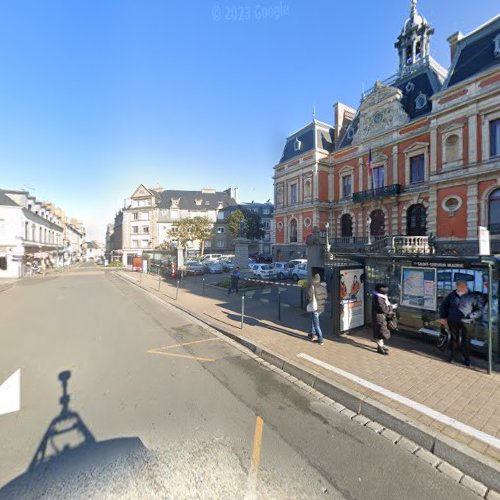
494	212
451	145
377	223
346	226
293	231
416	219
307	189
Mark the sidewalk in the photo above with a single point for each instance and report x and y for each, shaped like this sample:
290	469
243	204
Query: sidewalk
414	369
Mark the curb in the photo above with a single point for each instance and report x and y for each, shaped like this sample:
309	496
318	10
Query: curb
479	467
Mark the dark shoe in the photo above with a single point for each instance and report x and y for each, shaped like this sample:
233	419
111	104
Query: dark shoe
467	362
321	342
381	350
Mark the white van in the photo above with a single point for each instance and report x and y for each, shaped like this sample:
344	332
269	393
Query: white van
211	256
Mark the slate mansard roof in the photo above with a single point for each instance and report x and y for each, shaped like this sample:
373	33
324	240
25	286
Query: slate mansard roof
316	135
425	82
187	199
6	200
475	53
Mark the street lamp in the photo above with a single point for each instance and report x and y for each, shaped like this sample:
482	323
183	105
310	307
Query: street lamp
329	254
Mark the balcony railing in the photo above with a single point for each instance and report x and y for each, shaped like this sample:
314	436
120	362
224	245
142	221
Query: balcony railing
391	190
388	245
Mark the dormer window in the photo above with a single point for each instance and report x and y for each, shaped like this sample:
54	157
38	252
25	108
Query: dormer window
198	202
207	202
297	144
496	45
220	205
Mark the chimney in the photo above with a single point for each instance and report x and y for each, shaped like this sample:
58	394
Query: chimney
453	41
343	118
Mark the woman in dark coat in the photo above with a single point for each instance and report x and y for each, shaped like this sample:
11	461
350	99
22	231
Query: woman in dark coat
382	311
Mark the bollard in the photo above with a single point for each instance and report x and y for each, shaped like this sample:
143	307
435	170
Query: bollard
203	285
279	304
159	281
242	311
301	298
177	290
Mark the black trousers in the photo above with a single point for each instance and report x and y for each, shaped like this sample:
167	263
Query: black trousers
459	339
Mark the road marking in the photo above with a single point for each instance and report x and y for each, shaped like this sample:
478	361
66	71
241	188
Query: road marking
187	343
254	466
466	429
175	355
10	394
257	444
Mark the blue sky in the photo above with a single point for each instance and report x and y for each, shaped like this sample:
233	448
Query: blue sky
98	96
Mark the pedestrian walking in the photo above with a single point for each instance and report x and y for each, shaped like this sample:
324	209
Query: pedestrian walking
316	296
458	312
383	317
234	280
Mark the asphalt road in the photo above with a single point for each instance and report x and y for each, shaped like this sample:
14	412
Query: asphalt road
148	417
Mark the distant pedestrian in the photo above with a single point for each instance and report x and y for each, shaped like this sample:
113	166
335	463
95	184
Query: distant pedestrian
458	312
234	280
382	314
316	296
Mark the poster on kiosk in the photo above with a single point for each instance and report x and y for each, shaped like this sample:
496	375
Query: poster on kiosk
352	299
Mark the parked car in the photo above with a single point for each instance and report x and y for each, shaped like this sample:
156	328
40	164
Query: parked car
264	271
262	257
209	257
300	272
227	265
281	270
293	263
213	267
194	267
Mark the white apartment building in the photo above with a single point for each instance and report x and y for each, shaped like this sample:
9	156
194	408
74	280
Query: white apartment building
29	232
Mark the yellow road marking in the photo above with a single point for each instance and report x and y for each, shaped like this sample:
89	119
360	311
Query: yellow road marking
153	351
257	445
186	343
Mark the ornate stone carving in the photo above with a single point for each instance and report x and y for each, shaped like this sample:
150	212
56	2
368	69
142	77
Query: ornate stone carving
380	111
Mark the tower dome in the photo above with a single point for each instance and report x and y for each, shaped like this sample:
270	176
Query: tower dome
413	42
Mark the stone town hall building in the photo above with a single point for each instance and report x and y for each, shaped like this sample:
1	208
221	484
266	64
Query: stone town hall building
433	137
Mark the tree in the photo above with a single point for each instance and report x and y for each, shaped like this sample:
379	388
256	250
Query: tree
234	220
192	229
252	224
255	231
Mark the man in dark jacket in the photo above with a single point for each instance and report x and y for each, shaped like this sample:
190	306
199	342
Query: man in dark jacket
318	291
458	312
234	280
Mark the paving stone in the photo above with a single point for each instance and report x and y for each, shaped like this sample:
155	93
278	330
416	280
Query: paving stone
428	457
374	426
361	419
390	435
493	495
408	445
450	471
338	406
473	485
348	413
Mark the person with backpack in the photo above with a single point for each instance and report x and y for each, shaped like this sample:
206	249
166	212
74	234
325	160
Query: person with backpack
316	296
383	317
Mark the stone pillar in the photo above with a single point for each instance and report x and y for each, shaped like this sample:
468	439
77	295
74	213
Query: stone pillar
472	217
241	255
315	183
432	211
360	175
434	146
395	165
315	252
472	139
